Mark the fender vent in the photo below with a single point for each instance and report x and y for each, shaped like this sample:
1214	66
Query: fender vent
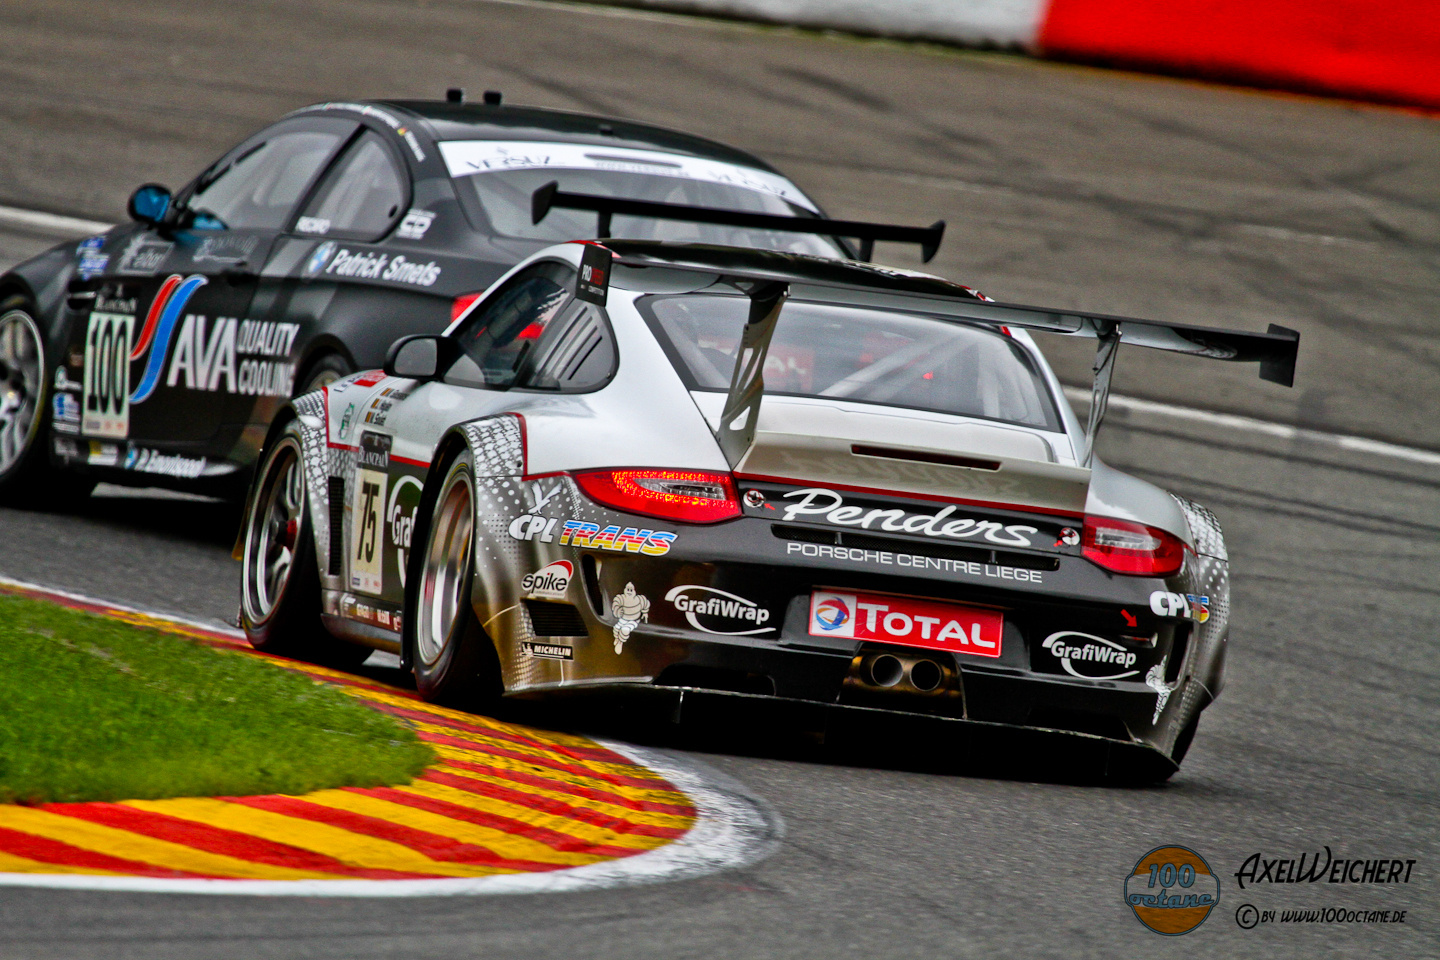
555	619
337	526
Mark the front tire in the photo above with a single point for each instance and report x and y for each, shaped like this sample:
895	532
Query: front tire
454	660
280	583
26	475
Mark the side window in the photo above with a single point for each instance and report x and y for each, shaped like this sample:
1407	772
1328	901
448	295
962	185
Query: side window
259	187
362	195
577	354
503	330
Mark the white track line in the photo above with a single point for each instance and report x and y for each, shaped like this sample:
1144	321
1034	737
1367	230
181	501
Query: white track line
1268	428
733	828
50	222
60	224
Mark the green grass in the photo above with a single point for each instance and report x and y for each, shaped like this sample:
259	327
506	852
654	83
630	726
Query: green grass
94	709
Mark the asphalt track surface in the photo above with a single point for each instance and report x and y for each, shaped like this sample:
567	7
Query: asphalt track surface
1062	186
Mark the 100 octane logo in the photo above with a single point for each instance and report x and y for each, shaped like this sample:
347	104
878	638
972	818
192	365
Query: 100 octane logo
1172	890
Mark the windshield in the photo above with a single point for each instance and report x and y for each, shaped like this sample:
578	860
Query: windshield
859	355
495	181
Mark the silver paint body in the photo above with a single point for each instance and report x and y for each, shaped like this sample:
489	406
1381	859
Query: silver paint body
525	441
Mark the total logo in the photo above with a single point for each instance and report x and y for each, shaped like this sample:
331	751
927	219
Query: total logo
1166	604
549	582
831	614
930	624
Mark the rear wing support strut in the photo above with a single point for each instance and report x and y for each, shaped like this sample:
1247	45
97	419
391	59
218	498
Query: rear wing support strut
747	383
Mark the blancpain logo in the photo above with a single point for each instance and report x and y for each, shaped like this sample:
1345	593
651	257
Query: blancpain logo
696	601
830	506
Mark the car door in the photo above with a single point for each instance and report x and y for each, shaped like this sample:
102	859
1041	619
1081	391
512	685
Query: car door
398	423
189	340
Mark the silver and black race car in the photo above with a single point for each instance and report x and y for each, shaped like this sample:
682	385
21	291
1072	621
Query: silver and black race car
711	471
158	352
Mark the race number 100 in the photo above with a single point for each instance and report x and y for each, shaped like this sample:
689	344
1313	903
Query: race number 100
106	405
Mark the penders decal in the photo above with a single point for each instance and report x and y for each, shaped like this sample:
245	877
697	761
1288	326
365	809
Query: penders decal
829	506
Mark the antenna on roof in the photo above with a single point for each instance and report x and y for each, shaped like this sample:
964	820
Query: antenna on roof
455	95
492	98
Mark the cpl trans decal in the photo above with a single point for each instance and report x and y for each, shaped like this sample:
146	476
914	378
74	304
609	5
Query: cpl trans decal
1088	656
912	623
579	533
1187	605
829	506
710	610
1172	890
550	582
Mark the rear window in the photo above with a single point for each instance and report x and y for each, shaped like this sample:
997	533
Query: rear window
859	355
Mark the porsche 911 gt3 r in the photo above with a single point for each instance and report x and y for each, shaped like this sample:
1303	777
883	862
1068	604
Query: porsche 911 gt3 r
693	468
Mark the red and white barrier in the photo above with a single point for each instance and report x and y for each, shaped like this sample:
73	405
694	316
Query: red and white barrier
1356	48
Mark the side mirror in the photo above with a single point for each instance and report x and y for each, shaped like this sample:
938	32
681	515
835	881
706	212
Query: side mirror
149	204
415	358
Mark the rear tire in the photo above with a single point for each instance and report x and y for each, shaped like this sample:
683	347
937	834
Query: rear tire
454	660
27	478
321	372
280	582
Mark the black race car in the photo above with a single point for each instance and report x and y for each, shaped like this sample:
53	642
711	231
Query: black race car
159	352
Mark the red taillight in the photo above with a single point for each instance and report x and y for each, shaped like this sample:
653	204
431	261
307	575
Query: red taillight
1132	548
690	496
462	303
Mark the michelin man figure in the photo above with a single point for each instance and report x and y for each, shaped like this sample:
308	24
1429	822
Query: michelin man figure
630	609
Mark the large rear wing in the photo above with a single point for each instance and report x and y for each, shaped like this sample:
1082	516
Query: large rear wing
769	277
545	198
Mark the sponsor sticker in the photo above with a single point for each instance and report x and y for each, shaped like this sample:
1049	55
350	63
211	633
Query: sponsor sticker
370	265
550	582
318	258
233	356
415	225
226	248
317	225
547	651
1091	657
593	283
827	506
143	256
145	460
927	624
711	610
66	412
913	562
630	609
1187	605
400	519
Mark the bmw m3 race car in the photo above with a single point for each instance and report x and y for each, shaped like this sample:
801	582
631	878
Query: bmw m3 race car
705	470
159	352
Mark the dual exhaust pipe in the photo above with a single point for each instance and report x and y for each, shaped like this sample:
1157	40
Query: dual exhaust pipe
888	671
